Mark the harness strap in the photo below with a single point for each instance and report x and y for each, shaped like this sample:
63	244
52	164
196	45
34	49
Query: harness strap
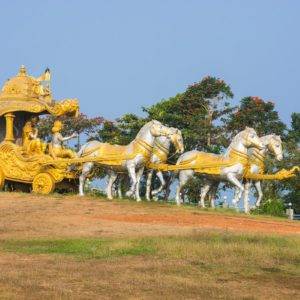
161	147
257	159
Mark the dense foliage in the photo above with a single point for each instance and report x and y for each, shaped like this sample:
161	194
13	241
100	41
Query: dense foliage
256	113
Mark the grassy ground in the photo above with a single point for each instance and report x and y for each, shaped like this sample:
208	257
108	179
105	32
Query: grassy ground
80	248
204	265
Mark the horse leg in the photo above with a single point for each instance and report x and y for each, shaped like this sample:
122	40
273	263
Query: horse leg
257	185
148	184
236	195
162	184
204	191
246	196
112	178
168	185
183	178
231	178
120	194
212	194
138	180
86	169
132	174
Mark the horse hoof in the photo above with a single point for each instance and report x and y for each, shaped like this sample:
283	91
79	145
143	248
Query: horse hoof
129	194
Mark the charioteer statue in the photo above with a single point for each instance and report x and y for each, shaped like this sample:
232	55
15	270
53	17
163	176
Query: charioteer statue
31	143
57	148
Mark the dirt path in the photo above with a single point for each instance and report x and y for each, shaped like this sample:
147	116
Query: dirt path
24	215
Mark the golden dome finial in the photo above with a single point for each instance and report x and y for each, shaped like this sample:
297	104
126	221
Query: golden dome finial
22	71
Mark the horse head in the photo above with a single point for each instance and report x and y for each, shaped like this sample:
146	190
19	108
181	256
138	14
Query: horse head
275	146
158	129
177	140
250	138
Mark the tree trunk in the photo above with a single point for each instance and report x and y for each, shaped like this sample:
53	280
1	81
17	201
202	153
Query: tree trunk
78	142
209	124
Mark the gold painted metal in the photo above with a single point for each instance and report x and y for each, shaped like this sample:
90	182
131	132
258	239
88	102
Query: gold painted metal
9	119
207	163
25	161
43	183
2	180
111	155
257	159
26	93
280	175
31	143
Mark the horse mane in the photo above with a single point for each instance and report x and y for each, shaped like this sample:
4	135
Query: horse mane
233	141
271	136
143	128
238	135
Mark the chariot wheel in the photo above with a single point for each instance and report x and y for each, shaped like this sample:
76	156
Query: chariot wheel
43	183
2	179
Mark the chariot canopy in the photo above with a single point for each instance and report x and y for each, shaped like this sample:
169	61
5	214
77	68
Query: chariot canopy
23	96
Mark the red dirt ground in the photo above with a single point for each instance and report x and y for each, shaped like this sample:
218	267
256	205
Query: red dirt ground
31	215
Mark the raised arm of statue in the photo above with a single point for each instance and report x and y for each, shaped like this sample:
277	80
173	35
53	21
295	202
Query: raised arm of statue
66	138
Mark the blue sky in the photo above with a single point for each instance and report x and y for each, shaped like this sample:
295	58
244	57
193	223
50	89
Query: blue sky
116	56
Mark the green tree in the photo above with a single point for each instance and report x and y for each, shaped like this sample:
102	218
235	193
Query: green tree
122	131
198	113
256	113
289	189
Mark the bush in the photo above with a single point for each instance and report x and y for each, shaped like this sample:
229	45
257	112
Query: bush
272	207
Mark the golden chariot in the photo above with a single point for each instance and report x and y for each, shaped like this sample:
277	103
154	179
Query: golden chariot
21	98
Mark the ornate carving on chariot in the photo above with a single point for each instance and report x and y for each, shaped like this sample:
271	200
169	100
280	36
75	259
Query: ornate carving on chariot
22	153
28	94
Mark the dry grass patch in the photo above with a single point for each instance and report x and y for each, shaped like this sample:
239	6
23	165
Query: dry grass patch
203	265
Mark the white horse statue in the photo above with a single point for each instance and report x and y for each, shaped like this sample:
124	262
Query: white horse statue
131	158
229	167
160	154
271	143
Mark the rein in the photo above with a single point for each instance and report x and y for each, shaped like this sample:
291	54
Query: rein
258	159
161	147
147	147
